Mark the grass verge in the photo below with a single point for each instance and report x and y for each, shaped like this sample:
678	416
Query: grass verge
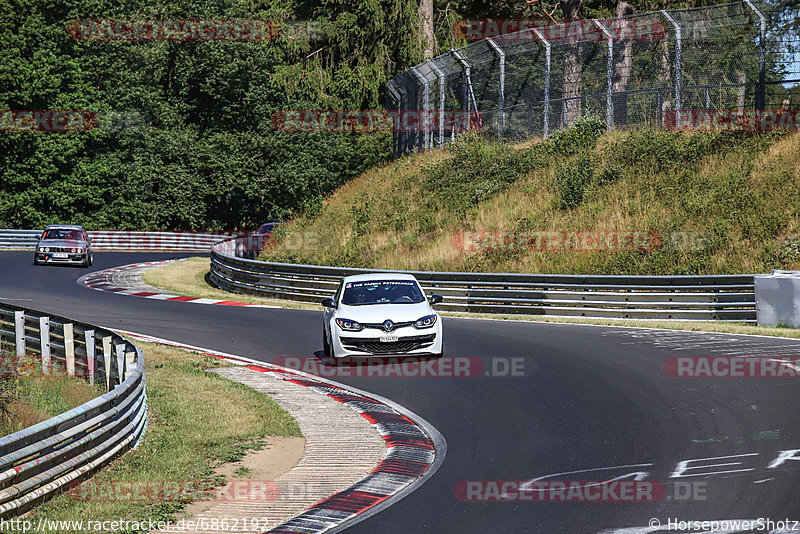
190	277
32	397
198	421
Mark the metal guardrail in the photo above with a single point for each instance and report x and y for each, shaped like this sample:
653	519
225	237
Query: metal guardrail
720	298
122	240
46	458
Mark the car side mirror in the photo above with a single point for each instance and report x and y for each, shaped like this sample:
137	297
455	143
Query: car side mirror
328	303
436	299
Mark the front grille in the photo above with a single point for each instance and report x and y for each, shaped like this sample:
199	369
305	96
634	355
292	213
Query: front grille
374	345
379	326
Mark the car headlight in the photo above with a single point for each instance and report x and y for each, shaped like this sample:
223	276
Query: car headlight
426	322
47	249
41	249
350	326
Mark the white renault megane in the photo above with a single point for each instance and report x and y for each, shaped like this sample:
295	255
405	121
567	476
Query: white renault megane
379	315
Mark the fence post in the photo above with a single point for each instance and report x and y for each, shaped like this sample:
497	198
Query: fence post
677	66
440	75
468	95
761	90
91	357
546	125
426	107
501	94
69	348
659	113
397	124
609	75
19	333
44	340
708	100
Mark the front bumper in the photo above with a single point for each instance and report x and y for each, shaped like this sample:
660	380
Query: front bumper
367	342
48	257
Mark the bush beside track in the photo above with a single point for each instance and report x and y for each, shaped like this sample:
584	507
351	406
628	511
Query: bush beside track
736	193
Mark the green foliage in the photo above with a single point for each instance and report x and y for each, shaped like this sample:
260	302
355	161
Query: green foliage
572	178
580	136
478	170
202	153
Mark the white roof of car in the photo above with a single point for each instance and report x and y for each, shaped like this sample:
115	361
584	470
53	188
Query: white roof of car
378	276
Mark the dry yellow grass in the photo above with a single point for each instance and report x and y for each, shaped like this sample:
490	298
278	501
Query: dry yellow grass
743	189
190	277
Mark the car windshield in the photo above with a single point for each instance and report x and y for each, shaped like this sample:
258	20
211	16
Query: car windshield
382	292
63	233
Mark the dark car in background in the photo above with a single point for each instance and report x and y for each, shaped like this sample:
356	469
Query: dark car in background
64	244
267	228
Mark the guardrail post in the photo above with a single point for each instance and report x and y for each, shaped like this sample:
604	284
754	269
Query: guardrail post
44	340
609	75
677	66
69	348
501	93
91	357
120	349
130	363
546	125
19	333
107	360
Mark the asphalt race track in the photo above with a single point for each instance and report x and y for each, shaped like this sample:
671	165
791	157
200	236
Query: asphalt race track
590	398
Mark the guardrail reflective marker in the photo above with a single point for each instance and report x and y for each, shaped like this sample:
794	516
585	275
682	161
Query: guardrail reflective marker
44	337
91	357
19	332
69	348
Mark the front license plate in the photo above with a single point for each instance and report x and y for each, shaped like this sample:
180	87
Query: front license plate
60	255
388	339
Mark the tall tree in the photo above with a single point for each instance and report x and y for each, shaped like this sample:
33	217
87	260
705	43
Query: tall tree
426	27
623	67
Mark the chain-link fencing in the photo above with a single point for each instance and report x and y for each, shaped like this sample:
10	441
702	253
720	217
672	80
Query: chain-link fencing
652	69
